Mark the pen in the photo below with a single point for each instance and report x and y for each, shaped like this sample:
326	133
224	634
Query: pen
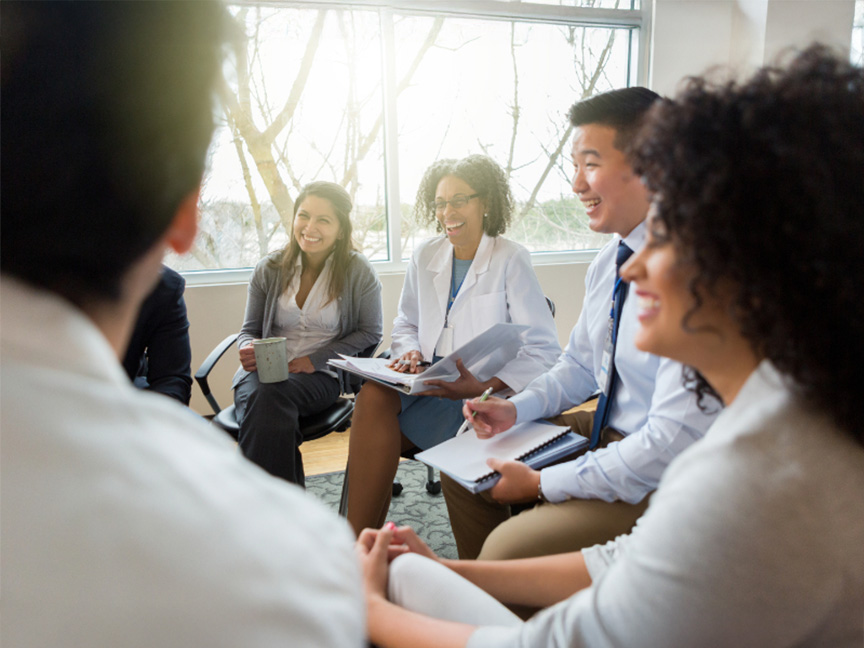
420	363
464	427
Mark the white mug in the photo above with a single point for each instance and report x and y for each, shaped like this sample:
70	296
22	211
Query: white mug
271	357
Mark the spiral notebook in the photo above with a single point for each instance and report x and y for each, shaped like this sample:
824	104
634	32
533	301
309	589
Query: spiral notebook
535	443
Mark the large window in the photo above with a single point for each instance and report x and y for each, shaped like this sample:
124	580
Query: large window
857	53
368	96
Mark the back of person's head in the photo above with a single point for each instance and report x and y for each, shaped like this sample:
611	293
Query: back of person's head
761	186
481	173
107	113
623	109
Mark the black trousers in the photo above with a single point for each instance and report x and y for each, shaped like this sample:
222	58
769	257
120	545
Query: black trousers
268	415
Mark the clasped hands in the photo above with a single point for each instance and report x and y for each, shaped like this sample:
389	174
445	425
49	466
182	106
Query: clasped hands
377	548
297	365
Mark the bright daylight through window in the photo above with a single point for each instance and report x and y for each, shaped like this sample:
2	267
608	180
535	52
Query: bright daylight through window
368	96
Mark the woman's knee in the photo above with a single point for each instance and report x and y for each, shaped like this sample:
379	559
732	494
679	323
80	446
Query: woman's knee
377	399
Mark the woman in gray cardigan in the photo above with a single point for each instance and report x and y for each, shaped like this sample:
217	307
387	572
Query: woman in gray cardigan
325	299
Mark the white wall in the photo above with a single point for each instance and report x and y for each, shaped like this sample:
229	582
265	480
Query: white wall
688	38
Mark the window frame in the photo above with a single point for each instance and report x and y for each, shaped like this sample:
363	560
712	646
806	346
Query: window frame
638	21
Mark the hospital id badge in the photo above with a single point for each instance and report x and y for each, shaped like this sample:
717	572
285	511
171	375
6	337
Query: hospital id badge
444	347
606	361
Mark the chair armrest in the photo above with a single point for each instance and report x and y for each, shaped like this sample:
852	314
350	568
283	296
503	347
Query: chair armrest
207	366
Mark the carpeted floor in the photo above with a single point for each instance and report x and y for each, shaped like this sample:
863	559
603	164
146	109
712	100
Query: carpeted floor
425	512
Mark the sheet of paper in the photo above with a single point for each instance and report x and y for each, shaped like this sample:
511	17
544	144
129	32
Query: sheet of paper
482	356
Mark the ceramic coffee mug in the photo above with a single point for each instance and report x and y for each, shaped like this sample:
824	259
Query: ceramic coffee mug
271	356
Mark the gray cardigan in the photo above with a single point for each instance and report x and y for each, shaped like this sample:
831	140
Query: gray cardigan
360	311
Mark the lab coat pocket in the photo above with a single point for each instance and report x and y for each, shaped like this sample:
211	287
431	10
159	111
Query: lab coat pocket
488	310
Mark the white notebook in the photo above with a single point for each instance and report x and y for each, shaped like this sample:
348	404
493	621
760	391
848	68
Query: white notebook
535	443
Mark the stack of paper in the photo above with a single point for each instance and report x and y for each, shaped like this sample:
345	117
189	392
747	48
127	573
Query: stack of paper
483	356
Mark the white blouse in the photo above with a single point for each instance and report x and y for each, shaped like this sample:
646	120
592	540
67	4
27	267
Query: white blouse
309	328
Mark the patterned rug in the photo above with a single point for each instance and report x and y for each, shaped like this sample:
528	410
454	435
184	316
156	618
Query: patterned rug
425	512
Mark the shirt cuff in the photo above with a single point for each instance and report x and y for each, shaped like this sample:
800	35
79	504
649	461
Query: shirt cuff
528	407
493	637
556	479
596	561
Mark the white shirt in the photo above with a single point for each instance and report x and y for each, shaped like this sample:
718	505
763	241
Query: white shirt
309	328
500	286
755	537
650	407
128	521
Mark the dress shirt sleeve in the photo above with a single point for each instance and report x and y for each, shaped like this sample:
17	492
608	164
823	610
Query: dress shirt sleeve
405	334
570	382
628	470
527	305
366	302
169	354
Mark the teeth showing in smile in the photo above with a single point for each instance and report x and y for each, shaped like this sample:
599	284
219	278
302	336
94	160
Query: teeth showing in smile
591	203
648	303
453	227
311	239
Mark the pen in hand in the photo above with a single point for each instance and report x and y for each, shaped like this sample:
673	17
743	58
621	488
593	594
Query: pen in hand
464	426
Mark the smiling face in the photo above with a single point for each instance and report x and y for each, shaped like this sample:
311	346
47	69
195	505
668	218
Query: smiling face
669	325
316	227
614	197
463	226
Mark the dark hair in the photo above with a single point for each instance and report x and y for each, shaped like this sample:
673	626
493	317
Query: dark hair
759	185
484	176
623	109
341	202
107	113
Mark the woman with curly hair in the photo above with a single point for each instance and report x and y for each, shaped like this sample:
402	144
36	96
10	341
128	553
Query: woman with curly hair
458	285
755	534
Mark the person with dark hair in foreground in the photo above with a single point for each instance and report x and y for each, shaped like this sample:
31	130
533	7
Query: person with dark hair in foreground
128	521
754	535
159	355
645	416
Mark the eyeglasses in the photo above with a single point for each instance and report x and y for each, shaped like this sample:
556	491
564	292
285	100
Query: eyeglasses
456	202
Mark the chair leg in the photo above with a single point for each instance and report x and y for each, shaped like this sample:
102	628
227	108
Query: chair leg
343	499
432	485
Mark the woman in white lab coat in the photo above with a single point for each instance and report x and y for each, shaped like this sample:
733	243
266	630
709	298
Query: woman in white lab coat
457	286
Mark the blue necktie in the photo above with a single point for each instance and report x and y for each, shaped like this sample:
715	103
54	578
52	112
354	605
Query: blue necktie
619	294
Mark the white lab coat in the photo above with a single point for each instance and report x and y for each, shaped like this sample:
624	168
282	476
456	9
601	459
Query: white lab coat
500	287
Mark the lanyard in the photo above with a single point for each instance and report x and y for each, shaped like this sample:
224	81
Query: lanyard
614	294
454	290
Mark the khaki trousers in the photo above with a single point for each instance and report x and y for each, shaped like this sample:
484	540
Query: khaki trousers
487	530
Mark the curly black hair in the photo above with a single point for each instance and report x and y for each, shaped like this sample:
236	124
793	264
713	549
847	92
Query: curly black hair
484	176
761	186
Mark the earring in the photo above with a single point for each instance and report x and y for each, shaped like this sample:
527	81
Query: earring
486	215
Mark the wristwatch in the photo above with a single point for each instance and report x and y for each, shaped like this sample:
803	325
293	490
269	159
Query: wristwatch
540	496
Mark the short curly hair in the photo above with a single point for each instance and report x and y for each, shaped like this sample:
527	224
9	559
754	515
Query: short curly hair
484	176
760	185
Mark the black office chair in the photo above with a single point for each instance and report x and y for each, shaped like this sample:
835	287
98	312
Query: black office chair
335	418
